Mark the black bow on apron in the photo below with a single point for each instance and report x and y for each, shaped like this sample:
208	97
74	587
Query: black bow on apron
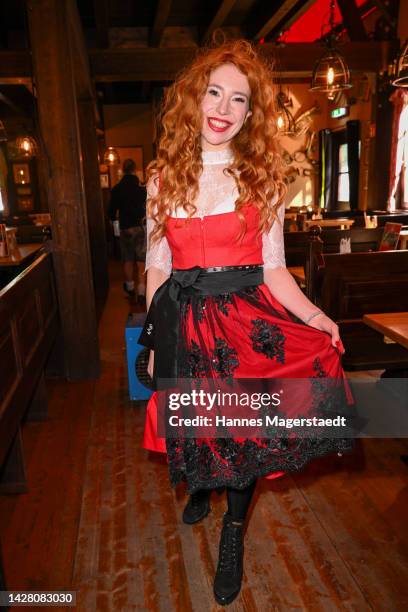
162	326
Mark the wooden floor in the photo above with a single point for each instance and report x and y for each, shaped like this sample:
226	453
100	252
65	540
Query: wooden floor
101	519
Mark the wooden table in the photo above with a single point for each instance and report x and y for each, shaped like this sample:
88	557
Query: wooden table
393	325
298	273
342	223
20	255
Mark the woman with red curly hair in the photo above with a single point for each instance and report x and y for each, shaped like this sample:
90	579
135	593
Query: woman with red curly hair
222	303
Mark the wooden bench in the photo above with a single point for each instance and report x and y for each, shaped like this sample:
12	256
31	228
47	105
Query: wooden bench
347	286
383	216
297	244
28	328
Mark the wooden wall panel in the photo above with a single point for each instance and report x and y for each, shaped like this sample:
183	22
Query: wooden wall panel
29	328
29	306
9	369
47	300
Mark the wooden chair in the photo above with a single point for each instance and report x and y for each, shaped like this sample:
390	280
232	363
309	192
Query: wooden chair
297	244
347	286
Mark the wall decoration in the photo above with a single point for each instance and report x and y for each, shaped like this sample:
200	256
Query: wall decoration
21	174
23	191
104	181
25	204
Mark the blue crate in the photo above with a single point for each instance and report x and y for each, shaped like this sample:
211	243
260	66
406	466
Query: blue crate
137	358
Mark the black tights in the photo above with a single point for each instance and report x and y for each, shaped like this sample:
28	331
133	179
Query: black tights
239	500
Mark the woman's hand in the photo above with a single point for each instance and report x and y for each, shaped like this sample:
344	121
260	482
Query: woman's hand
324	323
150	365
284	288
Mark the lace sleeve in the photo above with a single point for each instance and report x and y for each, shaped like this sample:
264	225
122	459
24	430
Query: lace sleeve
273	246
158	253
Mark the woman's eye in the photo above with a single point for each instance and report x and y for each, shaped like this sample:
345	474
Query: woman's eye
242	100
213	92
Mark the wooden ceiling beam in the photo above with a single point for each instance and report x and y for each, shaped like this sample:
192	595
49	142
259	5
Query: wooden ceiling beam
149	64
101	13
164	64
280	19
339	27
142	64
384	10
218	19
3	26
160	20
352	20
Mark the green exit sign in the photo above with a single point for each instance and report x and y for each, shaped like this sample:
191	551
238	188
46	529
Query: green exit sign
342	111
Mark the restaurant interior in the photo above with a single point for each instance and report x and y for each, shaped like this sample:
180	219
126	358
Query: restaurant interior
82	506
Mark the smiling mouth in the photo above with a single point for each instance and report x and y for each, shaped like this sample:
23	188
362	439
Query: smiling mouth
218	125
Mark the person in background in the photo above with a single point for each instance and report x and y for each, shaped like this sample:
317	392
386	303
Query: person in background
128	198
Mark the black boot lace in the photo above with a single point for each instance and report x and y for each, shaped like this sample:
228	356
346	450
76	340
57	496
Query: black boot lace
230	548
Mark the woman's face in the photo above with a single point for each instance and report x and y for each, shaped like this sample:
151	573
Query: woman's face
225	107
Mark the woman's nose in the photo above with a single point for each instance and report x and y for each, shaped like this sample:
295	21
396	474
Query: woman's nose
223	106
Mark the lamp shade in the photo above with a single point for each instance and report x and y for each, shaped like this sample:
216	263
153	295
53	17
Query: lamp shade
331	73
26	146
401	75
111	157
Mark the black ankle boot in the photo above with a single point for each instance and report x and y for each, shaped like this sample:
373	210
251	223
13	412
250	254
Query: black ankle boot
197	508
227	582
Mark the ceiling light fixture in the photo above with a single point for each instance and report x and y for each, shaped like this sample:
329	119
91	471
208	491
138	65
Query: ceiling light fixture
401	73
331	73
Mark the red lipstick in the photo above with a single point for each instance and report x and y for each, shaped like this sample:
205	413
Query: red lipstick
218	125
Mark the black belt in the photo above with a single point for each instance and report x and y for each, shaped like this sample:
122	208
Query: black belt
161	329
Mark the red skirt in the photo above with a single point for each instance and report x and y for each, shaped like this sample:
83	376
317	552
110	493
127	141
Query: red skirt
245	334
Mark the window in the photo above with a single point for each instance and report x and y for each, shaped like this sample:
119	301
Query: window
3	181
341	174
343	182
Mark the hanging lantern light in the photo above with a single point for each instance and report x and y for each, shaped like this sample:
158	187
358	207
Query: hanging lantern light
26	146
111	157
285	121
401	74
331	73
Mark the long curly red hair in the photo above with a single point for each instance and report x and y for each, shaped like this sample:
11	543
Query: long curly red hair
257	163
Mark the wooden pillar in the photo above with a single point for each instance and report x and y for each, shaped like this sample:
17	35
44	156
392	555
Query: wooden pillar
378	188
94	201
58	118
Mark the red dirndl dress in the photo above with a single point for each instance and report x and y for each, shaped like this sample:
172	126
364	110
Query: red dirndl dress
244	334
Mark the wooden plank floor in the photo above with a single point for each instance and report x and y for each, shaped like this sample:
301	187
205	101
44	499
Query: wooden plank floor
101	519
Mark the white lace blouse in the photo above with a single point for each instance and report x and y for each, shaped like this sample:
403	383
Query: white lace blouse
217	194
